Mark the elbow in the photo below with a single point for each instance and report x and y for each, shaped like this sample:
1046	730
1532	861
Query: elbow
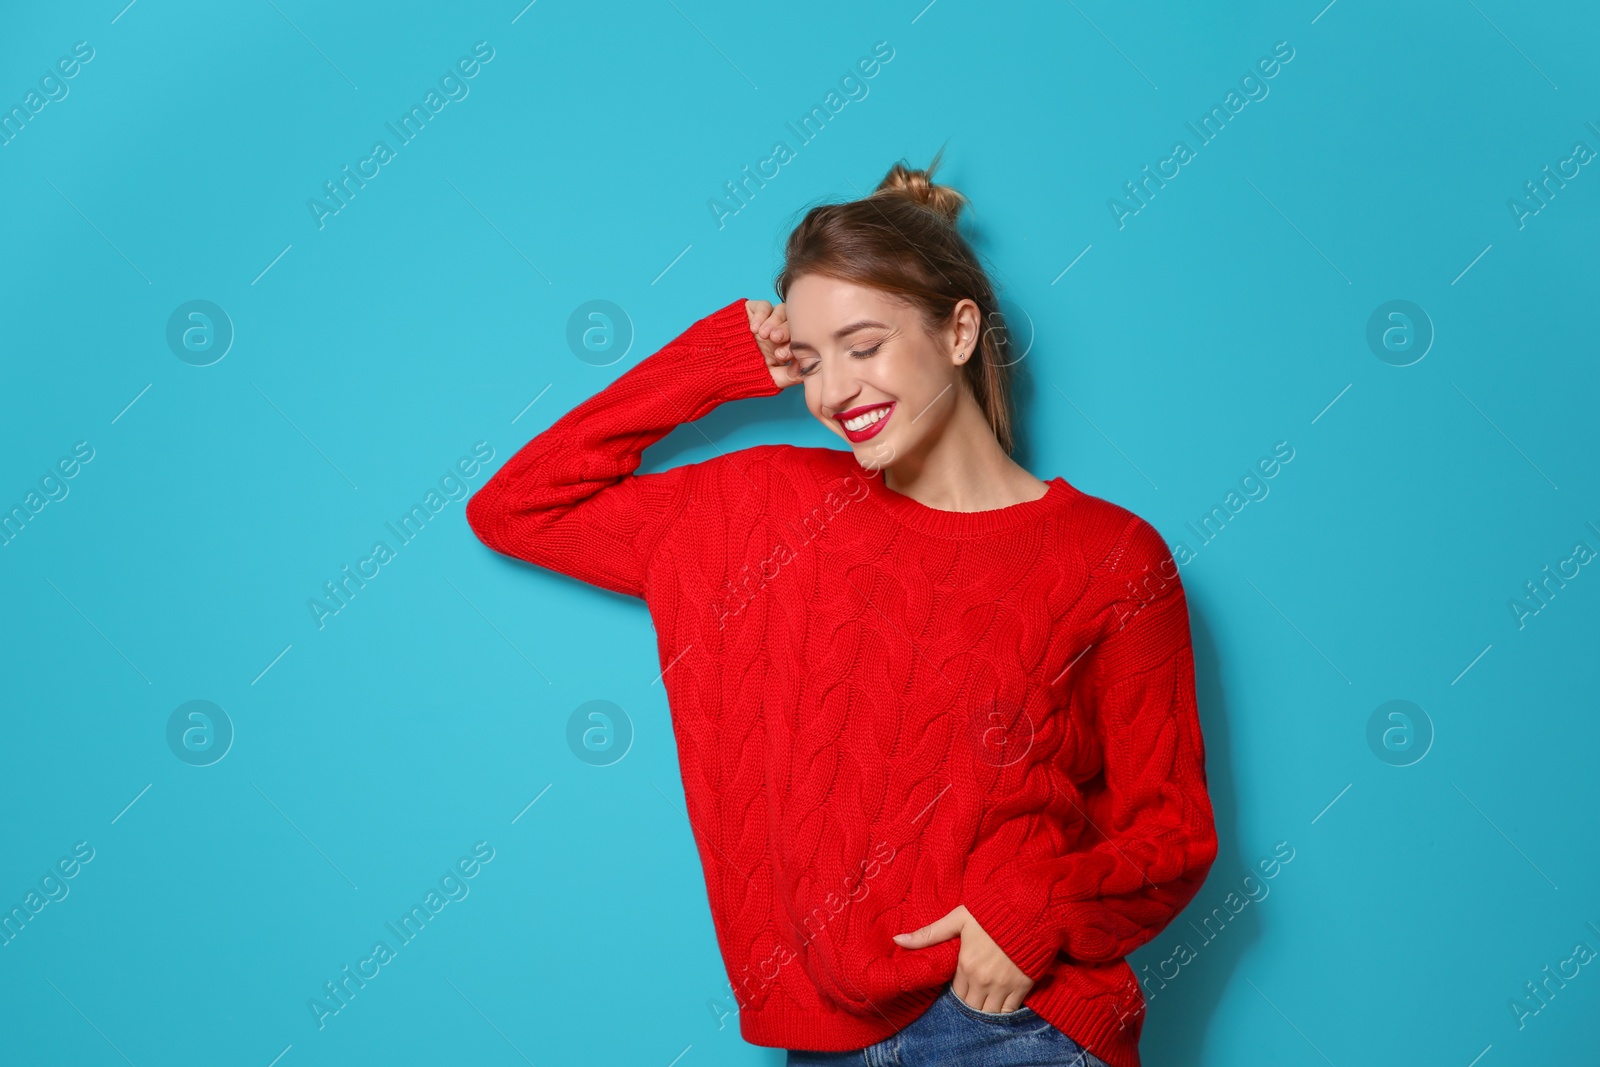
1202	850
483	517
1202	860
503	527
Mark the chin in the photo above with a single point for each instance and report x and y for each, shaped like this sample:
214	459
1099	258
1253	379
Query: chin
872	455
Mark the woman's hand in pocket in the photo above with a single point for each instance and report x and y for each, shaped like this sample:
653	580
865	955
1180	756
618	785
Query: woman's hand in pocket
985	977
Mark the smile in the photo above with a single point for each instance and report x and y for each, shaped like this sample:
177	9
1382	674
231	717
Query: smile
862	423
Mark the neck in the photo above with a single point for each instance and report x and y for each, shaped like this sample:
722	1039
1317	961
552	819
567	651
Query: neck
961	466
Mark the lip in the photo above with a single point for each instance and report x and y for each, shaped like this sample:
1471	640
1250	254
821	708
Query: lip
857	436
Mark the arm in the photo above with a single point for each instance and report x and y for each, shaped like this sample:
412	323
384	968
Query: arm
1152	828
570	501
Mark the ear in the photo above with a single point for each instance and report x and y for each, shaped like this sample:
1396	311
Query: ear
964	330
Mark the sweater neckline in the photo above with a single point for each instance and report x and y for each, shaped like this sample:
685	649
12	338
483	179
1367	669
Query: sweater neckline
920	516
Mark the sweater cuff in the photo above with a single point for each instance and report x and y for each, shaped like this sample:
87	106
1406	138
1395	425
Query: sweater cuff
1032	949
727	333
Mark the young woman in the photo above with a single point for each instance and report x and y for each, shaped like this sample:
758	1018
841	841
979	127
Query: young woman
935	717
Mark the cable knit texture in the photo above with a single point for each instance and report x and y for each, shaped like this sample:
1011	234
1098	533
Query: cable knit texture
884	710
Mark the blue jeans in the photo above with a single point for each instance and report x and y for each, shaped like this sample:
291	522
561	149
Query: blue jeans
951	1033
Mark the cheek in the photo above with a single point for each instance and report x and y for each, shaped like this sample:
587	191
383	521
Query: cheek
813	397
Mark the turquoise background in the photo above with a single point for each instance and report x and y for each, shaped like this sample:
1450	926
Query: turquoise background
370	754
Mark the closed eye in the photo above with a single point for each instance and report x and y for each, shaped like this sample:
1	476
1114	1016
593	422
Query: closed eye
806	367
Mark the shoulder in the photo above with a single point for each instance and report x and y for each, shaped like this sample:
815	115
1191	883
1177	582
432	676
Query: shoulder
1125	553
1133	586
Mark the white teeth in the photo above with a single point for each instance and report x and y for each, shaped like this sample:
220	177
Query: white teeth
861	422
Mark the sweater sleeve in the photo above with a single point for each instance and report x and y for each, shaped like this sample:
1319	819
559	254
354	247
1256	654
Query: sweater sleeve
570	501
1151	833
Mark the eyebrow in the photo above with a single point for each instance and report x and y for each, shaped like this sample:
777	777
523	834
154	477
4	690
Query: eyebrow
842	332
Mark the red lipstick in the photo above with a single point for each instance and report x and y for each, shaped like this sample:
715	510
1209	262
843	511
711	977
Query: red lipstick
869	431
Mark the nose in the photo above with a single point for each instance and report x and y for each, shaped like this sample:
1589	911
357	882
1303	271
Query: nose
837	390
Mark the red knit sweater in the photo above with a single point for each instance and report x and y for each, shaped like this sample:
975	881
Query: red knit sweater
884	710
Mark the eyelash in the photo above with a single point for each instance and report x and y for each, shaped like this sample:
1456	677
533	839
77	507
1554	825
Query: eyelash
863	354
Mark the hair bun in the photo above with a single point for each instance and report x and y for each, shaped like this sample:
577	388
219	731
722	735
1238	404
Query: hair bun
918	186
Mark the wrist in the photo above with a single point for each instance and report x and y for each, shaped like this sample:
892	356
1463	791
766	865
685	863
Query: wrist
1025	945
726	333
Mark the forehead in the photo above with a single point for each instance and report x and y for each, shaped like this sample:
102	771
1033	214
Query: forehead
818	306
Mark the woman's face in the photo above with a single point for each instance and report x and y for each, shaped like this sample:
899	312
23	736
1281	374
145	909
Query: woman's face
871	371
